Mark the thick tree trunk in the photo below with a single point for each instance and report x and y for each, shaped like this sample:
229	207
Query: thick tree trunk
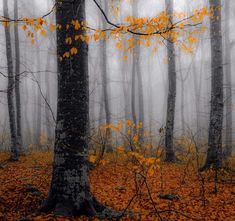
228	86
69	192
10	89
214	152
17	80
169	136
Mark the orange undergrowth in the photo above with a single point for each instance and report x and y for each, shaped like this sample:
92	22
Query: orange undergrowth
113	184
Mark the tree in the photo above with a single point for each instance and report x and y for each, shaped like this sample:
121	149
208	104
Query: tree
228	85
137	79
69	192
214	152
10	89
17	79
104	76
169	136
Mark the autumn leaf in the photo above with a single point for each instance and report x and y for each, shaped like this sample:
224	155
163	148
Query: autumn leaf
73	51
43	33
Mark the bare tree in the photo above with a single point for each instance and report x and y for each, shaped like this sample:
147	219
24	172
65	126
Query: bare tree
214	152
169	136
105	89
10	89
17	80
228	85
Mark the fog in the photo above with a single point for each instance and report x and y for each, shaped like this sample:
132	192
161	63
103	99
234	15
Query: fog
38	79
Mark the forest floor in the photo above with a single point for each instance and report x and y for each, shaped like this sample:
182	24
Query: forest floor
24	185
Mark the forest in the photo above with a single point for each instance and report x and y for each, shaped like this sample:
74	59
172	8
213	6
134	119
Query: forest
117	110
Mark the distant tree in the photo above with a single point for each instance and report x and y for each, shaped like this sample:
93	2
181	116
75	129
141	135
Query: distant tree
17	80
105	88
10	89
214	152
137	69
228	84
137	93
169	134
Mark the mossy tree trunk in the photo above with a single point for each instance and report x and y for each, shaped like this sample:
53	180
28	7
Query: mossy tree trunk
69	192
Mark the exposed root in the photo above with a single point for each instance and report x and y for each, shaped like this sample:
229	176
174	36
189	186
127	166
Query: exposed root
89	207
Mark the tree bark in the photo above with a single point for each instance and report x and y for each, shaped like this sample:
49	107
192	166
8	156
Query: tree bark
214	152
136	69
17	80
228	86
69	192
104	77
169	136
10	89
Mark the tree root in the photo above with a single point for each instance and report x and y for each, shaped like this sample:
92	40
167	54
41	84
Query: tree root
88	207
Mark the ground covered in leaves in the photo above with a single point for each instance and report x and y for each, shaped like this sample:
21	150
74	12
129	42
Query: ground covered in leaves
171	192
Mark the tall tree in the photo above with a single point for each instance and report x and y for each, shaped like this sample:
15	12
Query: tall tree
11	85
137	81
228	84
214	152
105	91
17	79
169	134
69	192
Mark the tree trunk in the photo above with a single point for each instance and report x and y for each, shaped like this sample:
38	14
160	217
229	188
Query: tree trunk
38	99
169	136
228	86
17	80
104	77
10	89
69	192
136	63
214	152
48	100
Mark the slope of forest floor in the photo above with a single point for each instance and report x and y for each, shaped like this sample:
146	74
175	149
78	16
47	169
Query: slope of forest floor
191	196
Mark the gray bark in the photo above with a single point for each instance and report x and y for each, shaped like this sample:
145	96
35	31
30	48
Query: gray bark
38	101
136	63
169	136
10	89
214	152
17	80
48	100
228	86
105	90
69	192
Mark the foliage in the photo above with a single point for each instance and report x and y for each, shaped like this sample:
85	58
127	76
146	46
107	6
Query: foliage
150	32
114	183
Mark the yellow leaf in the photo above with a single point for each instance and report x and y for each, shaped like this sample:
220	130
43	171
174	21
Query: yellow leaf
68	41
73	51
43	33
151	171
125	57
66	55
92	158
120	149
24	27
119	45
52	28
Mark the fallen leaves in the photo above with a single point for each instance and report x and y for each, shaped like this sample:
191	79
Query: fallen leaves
114	184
